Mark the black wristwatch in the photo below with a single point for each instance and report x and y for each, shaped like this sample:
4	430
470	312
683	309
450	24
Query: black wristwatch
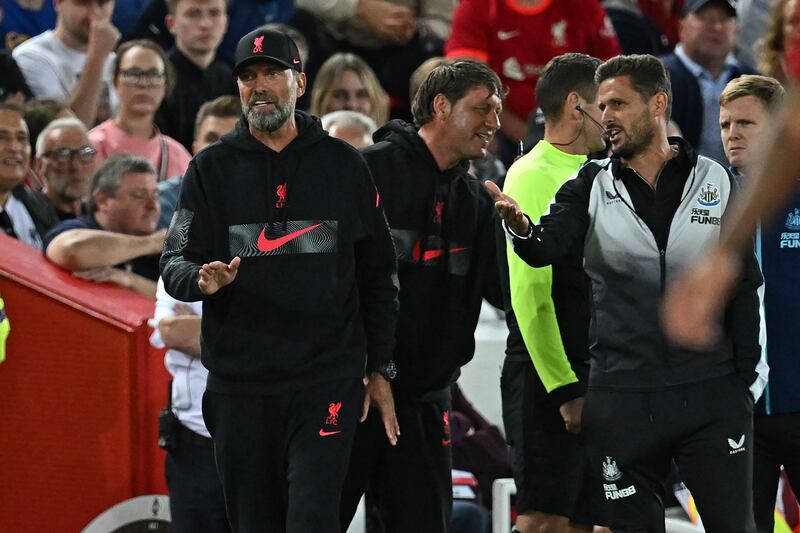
388	370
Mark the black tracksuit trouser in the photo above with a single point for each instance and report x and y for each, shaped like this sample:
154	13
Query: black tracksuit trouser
777	443
282	458
411	483
705	427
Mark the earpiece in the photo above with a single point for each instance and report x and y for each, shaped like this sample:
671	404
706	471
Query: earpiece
580	110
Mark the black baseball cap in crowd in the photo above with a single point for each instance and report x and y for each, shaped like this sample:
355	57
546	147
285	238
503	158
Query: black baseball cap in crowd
693	6
267	45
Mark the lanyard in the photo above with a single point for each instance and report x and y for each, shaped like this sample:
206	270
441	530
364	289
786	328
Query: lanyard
164	163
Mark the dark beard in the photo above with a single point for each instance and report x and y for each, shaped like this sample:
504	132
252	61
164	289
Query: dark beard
641	135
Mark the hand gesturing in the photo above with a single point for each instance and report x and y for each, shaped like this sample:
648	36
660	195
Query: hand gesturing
215	275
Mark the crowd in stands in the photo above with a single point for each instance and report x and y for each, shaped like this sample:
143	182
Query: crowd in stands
104	103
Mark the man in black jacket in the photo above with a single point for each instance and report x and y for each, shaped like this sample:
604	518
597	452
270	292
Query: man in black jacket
699	69
442	223
198	27
22	215
280	232
649	402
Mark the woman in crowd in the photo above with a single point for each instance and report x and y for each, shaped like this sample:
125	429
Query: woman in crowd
345	81
142	76
784	26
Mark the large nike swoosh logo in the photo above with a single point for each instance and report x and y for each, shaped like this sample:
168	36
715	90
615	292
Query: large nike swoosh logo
430	255
267	245
323	433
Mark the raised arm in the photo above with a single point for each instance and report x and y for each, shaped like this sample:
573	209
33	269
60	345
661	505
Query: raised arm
188	268
556	233
390	22
103	36
81	249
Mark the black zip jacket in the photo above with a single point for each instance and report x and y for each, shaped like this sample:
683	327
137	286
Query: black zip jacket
635	242
442	223
316	289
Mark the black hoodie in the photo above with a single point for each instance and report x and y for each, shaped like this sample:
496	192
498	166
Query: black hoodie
316	289
442	223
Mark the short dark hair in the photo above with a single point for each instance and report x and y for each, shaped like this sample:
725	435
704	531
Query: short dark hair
12	107
421	72
112	171
562	75
39	112
169	70
225	106
172	5
647	74
453	80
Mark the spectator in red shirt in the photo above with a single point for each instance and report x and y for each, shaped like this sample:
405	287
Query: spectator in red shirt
518	37
666	14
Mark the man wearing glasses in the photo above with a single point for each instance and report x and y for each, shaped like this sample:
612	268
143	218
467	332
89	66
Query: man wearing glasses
116	242
142	77
65	161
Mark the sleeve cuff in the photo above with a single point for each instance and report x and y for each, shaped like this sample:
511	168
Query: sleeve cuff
513	235
568	392
378	355
388	369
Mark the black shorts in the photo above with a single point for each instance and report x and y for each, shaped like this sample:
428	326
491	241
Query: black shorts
556	478
705	427
282	458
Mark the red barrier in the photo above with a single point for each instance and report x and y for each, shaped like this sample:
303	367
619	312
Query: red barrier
80	392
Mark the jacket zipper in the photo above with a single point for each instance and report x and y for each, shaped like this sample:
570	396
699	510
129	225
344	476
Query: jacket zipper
662	257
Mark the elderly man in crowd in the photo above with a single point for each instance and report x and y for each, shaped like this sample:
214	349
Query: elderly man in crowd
117	241
65	162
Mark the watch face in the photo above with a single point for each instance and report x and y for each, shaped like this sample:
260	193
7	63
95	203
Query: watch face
390	371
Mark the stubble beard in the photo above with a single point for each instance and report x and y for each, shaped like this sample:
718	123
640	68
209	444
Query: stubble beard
639	137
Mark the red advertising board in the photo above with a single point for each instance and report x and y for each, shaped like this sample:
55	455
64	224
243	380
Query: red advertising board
80	392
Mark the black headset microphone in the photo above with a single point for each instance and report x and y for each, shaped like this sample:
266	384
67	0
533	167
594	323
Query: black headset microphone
580	110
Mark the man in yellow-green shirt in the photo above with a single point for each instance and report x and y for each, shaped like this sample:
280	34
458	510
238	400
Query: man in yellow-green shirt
551	307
